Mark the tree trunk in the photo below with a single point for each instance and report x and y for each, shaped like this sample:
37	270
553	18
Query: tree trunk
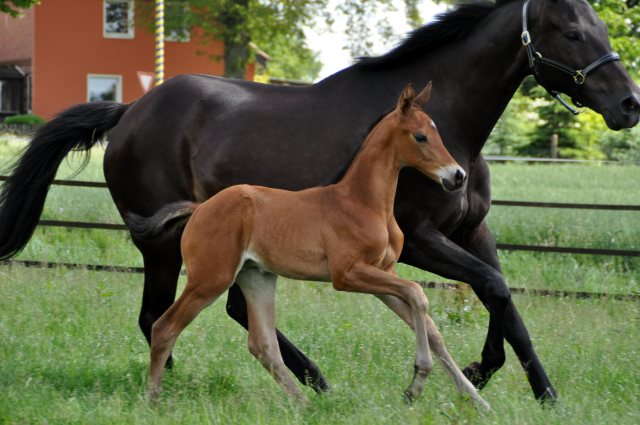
236	38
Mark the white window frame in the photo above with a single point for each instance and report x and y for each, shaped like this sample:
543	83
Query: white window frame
185	30
130	19
118	85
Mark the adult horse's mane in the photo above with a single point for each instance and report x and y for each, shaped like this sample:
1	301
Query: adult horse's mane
448	27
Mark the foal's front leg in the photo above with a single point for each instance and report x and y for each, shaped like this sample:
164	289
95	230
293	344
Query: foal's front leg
462	384
362	277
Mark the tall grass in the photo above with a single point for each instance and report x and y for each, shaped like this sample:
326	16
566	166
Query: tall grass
72	353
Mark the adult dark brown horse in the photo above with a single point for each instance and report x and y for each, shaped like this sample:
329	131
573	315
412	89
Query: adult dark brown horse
196	135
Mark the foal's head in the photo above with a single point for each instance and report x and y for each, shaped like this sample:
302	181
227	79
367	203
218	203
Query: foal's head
418	142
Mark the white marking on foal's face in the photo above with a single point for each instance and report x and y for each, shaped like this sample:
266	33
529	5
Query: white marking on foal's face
434	124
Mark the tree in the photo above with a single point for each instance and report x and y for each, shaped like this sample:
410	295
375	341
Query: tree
237	22
276	27
623	22
12	7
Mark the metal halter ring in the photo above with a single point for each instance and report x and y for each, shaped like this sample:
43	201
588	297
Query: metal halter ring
579	78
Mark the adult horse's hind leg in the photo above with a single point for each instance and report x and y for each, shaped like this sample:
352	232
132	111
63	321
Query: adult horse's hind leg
259	288
162	264
307	372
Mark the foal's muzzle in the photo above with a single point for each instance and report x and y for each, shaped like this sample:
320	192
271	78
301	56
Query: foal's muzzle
452	178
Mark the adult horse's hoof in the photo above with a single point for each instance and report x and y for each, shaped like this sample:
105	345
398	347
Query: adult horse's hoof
169	364
408	398
473	374
320	384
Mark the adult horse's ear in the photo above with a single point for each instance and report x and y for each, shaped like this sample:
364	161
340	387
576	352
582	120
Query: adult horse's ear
406	99
424	96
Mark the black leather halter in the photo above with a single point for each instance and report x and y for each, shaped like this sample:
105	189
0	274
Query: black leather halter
536	59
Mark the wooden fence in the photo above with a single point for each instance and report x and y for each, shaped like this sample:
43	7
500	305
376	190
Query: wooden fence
508	247
18	129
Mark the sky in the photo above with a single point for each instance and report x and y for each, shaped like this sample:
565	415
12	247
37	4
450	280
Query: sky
330	44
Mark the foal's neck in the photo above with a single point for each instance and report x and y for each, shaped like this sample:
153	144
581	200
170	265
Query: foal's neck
373	176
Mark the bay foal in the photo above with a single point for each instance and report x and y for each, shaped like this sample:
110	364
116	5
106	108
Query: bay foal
343	233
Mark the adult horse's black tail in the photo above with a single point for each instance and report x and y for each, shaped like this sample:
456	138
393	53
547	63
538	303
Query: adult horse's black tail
23	195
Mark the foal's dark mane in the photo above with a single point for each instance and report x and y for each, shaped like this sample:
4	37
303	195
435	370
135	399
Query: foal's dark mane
448	27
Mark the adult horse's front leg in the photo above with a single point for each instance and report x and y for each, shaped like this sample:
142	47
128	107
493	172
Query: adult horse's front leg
479	242
430	250
307	372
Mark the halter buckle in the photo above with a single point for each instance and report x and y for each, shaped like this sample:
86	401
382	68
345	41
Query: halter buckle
579	78
526	38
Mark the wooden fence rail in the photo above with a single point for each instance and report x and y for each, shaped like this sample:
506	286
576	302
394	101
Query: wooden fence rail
506	247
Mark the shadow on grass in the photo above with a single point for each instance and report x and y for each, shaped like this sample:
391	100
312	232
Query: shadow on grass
130	379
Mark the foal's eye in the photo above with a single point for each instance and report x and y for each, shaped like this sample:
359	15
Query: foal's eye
572	36
420	138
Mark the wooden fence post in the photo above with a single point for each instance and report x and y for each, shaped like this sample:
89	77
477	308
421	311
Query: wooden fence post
554	146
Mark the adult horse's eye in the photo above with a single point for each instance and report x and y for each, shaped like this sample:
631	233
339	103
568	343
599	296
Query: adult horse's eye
420	138
572	36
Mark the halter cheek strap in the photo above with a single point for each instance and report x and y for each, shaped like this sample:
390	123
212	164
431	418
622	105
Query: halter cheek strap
536	59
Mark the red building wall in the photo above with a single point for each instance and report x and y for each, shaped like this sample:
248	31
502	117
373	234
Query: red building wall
16	39
69	44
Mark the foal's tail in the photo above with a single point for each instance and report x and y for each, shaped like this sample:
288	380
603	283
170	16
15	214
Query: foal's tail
163	224
23	195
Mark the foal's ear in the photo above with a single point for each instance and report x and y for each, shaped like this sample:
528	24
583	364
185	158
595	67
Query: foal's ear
424	96
406	99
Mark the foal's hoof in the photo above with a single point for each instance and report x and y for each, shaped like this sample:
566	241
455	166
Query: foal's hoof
472	372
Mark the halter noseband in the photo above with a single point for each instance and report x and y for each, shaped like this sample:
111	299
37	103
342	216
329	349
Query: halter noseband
535	59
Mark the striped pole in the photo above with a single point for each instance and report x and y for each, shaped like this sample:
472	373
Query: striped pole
159	42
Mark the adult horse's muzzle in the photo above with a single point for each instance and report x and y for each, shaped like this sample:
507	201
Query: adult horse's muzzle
625	114
614	95
452	177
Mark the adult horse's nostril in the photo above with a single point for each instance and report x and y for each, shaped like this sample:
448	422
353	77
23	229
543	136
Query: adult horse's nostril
630	105
459	178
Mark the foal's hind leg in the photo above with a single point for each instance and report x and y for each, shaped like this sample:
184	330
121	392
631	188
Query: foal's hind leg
259	289
436	343
197	295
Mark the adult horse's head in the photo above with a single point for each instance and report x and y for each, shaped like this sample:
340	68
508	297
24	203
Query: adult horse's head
569	33
418	142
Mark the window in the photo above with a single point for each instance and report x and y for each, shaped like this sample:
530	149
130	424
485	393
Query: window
104	87
10	95
175	21
118	19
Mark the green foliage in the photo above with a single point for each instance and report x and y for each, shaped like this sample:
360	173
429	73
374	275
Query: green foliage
7	6
624	29
511	131
553	118
29	119
360	13
290	56
275	26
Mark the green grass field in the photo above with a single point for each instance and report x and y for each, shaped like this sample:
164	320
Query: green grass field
72	351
